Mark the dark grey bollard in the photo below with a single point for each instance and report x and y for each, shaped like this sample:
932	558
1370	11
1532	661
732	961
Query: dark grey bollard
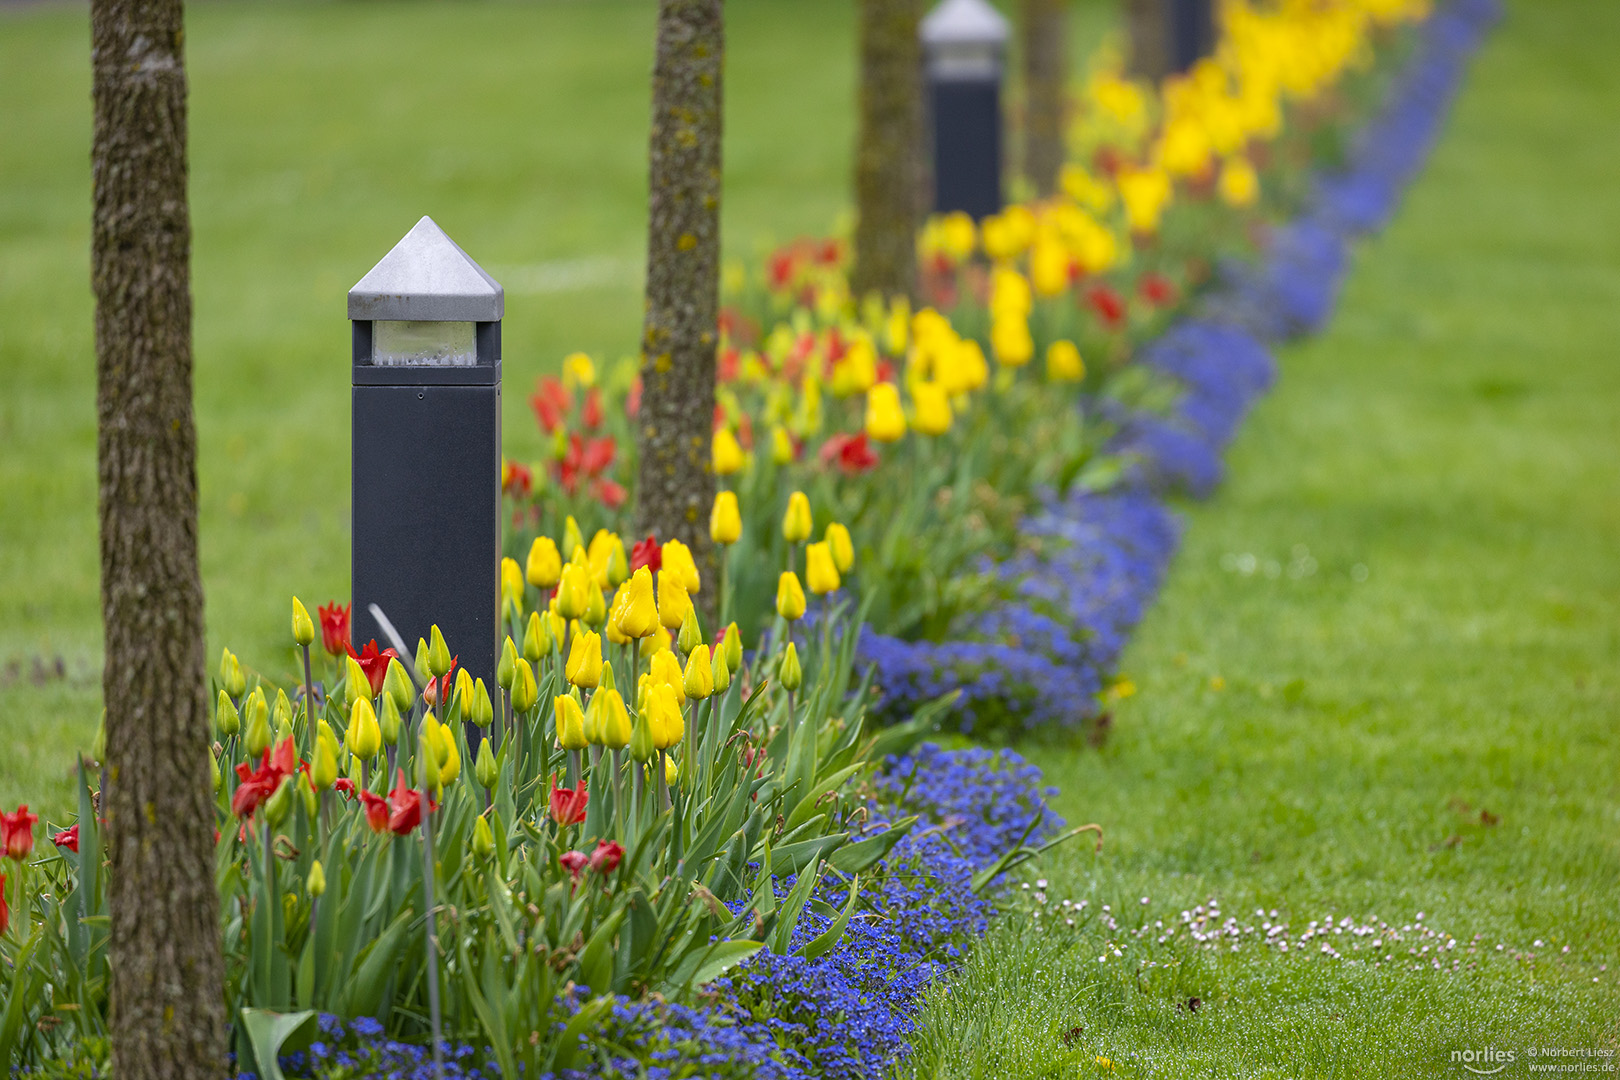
1192	32
964	44
427	448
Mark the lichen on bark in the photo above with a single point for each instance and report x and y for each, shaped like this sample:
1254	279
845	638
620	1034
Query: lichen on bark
888	170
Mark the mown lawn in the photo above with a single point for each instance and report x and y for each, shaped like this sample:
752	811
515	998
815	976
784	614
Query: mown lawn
1424	725
320	132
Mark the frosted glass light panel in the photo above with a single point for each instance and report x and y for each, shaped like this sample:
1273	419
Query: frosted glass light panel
423	344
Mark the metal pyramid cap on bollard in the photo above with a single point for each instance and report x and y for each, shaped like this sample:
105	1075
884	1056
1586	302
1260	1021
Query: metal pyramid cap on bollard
964	22
427	278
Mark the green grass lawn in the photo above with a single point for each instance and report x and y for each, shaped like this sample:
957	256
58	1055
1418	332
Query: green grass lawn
1441	736
320	132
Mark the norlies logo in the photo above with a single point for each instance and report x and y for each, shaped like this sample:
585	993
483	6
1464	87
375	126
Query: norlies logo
1484	1062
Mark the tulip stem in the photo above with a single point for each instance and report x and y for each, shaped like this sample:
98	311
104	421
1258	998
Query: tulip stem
432	938
309	698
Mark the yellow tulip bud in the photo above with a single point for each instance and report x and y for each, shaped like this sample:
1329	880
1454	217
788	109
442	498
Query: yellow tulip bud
820	572
613	725
390	723
734	648
726	453
507	664
641	738
1010	341
424	670
279	805
536	639
303	627
572	591
215	777
483	840
355	683
485	771
788	670
438	653
324	771
664	716
673	603
572	537
365	734
721	670
282	714
691	635
797	523
1063	363
256	740
570	719
315	884
545	563
524	689
665	668
671	772
789	596
230	674
618	568
781	445
639	615
885	420
933	408
699	680
226	717
584	666
397	685
725	520
843	550
1239	183
595	613
464	695
427	761
677	560
485	706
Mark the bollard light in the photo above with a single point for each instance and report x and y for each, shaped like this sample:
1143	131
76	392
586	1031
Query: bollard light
427	447
964	46
1192	32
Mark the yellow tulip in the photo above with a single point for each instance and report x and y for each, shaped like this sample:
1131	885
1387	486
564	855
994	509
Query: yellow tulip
665	668
843	550
820	573
613	722
720	669
664	716
781	445
699	680
584	667
1063	363
323	772
570	720
545	563
578	370
512	583
885	420
691	635
600	556
725	520
933	408
789	596
524	690
303	627
733	647
677	560
788	670
438	653
673	601
726	453
364	734
573	539
537	639
1239	184
1011	342
638	616
797	523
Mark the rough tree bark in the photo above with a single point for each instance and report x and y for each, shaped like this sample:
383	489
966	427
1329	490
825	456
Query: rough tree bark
167	975
1046	77
680	332
1148	23
887	152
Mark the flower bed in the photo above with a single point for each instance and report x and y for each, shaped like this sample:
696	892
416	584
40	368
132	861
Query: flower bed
721	868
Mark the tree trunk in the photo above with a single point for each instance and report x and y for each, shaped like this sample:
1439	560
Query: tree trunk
1046	77
167	975
676	483
1149	24
887	151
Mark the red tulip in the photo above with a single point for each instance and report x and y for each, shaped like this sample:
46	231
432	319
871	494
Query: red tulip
345	787
517	480
607	856
648	553
335	627
592	412
1108	305
632	399
853	454
1157	289
376	810
17	832
440	687
609	493
568	804
67	838
404	806
257	786
551	402
573	862
374	664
